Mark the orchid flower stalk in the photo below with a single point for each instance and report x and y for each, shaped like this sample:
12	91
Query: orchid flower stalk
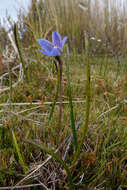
55	49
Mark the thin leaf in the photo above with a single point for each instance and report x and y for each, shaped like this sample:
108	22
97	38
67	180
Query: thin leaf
87	102
71	110
18	151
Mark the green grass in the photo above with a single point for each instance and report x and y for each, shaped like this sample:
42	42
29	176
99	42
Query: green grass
103	158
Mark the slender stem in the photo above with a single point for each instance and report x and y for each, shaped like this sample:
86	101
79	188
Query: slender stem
60	90
71	111
87	103
56	96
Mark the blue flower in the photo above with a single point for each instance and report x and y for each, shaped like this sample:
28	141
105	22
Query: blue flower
55	48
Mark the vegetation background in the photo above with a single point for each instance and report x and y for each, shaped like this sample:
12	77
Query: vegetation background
25	106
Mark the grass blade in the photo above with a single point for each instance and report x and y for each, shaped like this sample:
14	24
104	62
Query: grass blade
18	151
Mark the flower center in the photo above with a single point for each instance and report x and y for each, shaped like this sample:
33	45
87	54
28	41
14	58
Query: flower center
55	47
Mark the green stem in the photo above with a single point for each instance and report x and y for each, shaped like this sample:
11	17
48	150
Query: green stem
71	111
56	96
60	91
87	103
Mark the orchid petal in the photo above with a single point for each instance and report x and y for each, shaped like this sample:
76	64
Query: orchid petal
45	45
44	52
63	41
56	39
55	52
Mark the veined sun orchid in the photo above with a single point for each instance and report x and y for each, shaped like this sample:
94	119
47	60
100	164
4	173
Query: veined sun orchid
53	48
